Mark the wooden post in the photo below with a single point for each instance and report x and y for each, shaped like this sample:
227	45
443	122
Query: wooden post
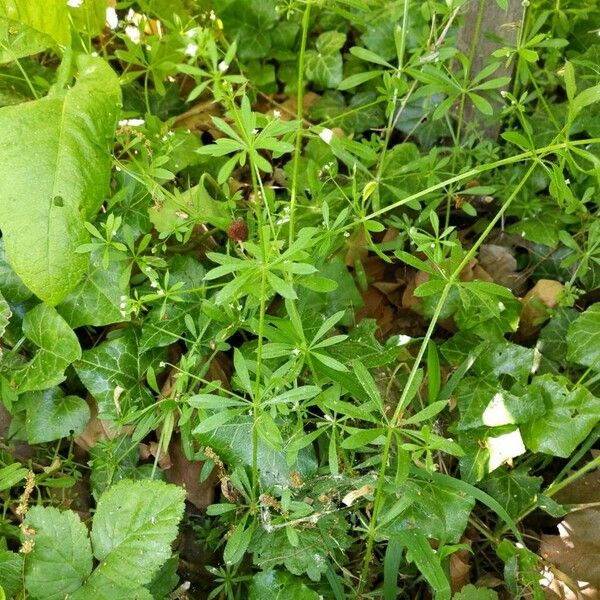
483	17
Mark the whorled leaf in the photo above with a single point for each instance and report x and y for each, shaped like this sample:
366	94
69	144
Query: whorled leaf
54	174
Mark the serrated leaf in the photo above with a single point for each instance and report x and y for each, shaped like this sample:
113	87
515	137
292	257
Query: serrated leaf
61	559
114	373
514	489
58	348
11	572
134	526
51	415
583	338
54	175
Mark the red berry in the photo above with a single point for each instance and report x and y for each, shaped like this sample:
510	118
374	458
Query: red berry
238	230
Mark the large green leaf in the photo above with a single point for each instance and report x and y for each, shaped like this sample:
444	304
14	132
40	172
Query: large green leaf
583	338
51	415
134	525
54	174
58	348
61	558
114	373
30	26
569	416
233	443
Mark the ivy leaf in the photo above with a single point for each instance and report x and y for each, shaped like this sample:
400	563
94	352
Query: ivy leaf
30	26
134	525
569	416
192	207
324	65
61	559
583	338
54	175
114	372
470	592
437	511
514	489
310	555
96	298
164	324
275	585
51	415
59	347
233	443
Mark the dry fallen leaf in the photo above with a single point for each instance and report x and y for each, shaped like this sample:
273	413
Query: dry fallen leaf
542	296
501	264
575	552
186	473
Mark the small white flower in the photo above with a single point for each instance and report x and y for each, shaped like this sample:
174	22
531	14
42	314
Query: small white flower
160	292
191	50
277	114
326	135
403	340
212	16
112	20
95	54
133	33
131	122
254	132
74	3
154	284
223	67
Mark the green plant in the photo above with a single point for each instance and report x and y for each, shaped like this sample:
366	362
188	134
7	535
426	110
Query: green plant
267	252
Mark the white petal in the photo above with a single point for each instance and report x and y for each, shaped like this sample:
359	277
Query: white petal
504	447
496	413
112	20
326	135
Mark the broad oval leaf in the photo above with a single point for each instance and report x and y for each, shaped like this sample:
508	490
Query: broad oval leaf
583	338
54	174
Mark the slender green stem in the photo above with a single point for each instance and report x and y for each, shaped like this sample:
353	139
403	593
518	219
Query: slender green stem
299	114
392	117
405	397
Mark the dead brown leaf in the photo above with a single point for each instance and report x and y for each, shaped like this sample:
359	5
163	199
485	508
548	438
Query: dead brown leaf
460	569
501	264
542	296
186	473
